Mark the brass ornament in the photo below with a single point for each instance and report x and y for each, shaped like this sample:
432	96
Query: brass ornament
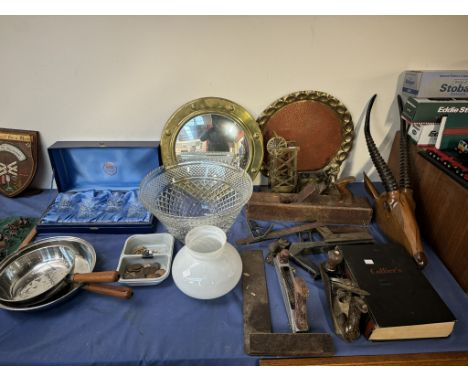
282	171
331	169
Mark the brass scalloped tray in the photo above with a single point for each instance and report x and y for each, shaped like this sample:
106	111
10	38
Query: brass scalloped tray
320	124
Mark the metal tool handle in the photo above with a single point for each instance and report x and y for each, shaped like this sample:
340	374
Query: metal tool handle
309	266
110	290
96	277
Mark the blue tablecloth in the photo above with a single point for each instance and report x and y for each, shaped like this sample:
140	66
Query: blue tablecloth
161	325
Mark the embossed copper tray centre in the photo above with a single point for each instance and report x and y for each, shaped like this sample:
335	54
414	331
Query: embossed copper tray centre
320	125
314	126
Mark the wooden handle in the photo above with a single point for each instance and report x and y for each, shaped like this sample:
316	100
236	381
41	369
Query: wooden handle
96	277
335	258
110	290
342	185
309	191
28	238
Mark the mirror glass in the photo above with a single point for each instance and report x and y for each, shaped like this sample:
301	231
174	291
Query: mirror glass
212	137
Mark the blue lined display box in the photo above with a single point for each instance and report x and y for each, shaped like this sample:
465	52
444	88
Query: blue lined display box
98	185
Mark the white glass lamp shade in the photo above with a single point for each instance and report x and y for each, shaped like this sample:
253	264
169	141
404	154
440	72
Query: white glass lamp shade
207	266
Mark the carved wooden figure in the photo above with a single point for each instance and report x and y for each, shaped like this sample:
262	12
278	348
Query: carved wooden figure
394	208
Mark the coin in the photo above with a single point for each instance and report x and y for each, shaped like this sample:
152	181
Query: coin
149	271
133	268
129	275
160	272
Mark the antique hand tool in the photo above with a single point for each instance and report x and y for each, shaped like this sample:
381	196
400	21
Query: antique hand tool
307	265
346	196
330	239
345	298
279	233
347	285
258	231
349	322
258	336
304	263
335	258
294	291
339	206
309	191
275	247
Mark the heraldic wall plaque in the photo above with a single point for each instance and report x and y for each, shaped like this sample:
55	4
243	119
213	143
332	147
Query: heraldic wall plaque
18	160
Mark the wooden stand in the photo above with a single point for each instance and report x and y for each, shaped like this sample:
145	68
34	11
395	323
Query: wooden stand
441	210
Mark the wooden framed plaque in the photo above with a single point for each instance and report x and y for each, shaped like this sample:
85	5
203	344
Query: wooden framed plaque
18	160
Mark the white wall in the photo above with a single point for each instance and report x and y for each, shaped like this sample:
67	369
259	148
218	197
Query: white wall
120	78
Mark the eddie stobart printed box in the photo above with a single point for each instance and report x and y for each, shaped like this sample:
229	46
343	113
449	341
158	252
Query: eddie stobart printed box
435	83
432	110
424	133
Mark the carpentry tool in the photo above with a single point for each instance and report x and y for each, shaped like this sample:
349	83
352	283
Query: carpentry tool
258	336
294	291
277	246
320	246
337	207
309	191
307	265
345	298
331	239
279	233
258	231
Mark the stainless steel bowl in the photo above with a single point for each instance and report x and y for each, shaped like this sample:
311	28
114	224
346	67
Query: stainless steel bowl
28	277
84	259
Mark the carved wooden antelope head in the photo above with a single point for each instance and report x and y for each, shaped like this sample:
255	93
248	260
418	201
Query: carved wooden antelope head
394	208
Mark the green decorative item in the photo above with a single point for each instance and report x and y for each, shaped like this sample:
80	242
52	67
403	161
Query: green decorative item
15	231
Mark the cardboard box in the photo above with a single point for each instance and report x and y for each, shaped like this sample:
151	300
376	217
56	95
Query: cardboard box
424	134
432	110
452	130
98	185
435	83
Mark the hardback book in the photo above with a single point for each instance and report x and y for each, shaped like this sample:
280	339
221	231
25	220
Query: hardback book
402	303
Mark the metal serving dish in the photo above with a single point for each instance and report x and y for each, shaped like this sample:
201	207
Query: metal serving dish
84	258
25	279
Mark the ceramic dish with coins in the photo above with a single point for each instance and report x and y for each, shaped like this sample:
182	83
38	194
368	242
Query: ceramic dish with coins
146	259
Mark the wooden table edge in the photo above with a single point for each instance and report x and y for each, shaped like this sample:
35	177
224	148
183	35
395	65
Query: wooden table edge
415	359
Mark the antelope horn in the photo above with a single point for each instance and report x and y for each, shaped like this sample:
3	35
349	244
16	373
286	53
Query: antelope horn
405	181
384	171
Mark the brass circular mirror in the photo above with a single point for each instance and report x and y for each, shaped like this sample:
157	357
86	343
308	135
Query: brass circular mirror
215	129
